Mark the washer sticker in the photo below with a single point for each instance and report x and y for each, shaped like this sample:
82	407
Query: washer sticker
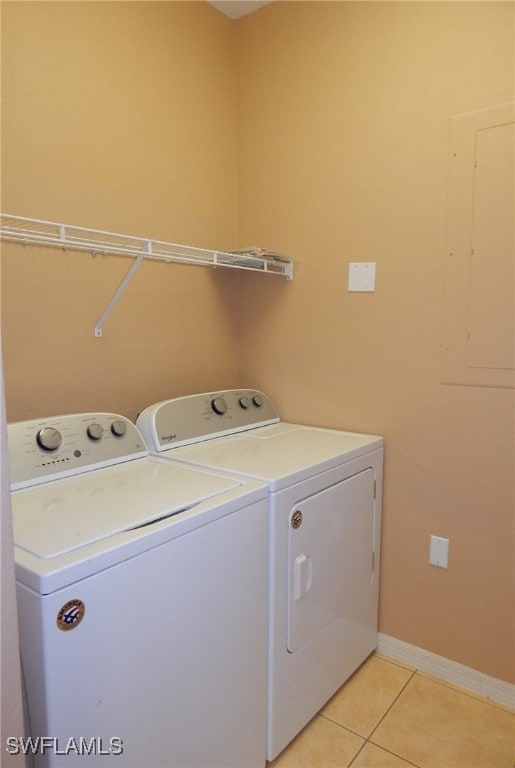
70	615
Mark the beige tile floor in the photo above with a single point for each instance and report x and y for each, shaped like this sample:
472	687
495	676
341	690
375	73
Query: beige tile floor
389	715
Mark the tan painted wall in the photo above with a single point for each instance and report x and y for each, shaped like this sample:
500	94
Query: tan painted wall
343	126
121	117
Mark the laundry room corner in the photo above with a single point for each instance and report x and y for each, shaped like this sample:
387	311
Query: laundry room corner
344	150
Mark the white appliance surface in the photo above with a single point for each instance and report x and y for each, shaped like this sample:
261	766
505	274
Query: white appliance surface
280	454
325	490
142	601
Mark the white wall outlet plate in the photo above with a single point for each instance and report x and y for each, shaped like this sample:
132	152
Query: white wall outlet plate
438	551
362	276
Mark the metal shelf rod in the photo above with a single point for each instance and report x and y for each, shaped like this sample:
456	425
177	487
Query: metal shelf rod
107	311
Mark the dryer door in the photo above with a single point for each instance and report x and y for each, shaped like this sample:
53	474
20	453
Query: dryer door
331	555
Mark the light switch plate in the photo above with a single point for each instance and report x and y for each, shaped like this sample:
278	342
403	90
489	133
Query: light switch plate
362	276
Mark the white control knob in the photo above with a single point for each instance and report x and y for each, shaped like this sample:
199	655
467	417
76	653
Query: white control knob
95	431
258	400
49	438
219	405
244	402
118	428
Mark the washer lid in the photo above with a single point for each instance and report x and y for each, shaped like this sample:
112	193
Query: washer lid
280	454
60	517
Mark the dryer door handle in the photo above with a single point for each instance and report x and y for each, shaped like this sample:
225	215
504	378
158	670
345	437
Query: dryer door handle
303	576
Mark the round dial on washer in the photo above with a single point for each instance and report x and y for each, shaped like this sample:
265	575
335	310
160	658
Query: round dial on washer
49	438
219	405
118	428
95	431
244	402
258	400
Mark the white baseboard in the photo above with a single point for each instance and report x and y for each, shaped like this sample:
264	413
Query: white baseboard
450	671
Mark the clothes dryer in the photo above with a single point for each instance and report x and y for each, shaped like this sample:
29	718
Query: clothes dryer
325	522
142	601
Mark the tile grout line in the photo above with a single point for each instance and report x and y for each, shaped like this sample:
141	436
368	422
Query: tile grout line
436	678
421	674
404	759
408	681
368	738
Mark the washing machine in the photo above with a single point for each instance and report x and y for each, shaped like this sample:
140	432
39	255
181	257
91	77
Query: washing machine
142	601
325	490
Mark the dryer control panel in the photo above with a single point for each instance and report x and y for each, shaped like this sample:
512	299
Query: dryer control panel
190	419
58	446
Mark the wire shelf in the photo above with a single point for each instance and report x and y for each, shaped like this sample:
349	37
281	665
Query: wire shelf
37	232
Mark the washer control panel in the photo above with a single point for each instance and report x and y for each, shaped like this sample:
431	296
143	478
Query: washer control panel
47	449
185	420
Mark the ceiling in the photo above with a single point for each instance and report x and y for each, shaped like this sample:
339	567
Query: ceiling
237	8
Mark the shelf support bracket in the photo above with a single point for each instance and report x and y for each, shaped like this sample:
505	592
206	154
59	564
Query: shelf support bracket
147	249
